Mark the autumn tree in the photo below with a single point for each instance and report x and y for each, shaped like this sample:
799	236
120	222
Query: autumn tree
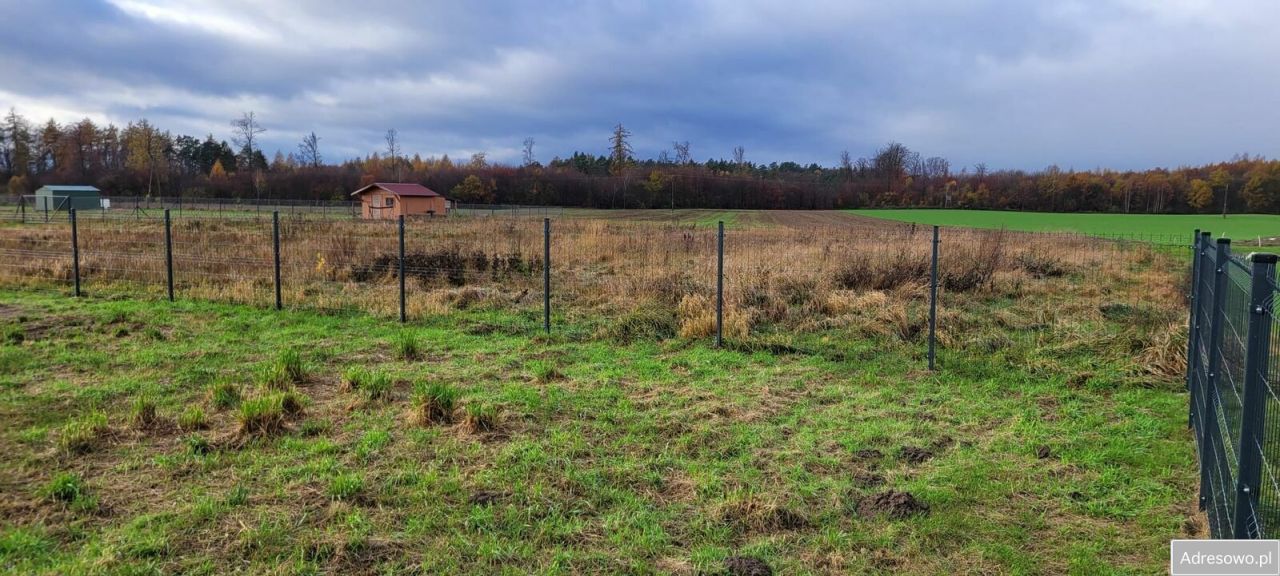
1262	190
474	190
1200	195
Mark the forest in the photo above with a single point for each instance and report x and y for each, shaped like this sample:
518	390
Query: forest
141	159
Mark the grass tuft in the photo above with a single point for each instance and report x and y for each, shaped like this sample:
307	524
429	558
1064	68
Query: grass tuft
480	418
377	386
225	395
65	487
353	378
192	419
142	414
268	414
286	370
82	435
407	346
433	403
345	486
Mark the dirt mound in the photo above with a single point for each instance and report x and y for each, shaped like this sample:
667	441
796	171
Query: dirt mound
485	497
746	566
893	504
915	454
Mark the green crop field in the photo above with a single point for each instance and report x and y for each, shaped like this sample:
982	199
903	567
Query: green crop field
198	438
1235	226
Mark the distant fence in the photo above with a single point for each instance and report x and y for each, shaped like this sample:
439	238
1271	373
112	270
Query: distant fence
137	207
1234	405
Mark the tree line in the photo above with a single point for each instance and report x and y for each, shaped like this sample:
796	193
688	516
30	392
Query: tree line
141	159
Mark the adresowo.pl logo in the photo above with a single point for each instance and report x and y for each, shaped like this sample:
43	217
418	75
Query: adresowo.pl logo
1224	557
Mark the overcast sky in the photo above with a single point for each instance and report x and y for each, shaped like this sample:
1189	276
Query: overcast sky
1014	84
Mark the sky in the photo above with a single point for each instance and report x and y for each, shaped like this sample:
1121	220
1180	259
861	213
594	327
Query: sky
1123	84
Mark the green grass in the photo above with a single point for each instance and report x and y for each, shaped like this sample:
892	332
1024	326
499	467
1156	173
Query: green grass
1235	226
602	455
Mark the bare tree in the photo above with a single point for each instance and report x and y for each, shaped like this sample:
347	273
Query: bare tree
739	156
527	153
309	151
890	163
393	150
619	150
682	152
245	131
846	164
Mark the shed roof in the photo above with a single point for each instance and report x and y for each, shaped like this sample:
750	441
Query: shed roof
398	189
61	188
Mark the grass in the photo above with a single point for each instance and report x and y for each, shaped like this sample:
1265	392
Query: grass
1238	227
1045	444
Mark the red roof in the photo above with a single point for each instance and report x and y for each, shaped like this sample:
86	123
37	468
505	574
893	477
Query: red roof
398	189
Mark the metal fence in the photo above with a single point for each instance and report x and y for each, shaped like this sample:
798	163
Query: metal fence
1233	406
580	275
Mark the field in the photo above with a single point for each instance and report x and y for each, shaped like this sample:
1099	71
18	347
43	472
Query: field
143	436
1237	226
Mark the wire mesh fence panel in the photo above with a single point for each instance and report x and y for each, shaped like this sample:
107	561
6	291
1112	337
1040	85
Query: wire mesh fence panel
224	261
35	254
339	266
122	257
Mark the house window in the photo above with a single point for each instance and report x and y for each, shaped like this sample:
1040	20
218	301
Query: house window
390	202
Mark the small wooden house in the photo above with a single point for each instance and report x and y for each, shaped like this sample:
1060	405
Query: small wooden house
382	200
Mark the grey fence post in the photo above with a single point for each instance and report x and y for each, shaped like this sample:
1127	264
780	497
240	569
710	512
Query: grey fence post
75	251
1253	408
933	299
168	252
275	242
1208	418
546	275
1193	327
403	316
720	283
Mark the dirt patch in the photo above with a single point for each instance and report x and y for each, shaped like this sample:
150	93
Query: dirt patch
915	454
1043	452
864	479
867	455
746	566
485	497
892	504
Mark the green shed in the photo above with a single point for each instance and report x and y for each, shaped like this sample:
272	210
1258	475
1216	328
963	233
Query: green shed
67	197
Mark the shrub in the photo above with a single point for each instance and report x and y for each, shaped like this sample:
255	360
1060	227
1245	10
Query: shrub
433	403
481	418
192	419
224	395
345	486
81	435
407	346
143	413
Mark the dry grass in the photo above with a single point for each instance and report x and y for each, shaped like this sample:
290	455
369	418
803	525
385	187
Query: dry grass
649	277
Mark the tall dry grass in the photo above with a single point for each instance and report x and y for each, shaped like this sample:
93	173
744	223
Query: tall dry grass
802	277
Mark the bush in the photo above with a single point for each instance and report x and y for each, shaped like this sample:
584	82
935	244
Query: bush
433	403
407	346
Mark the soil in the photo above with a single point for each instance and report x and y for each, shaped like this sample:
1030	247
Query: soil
915	454
1043	452
893	504
746	566
484	497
